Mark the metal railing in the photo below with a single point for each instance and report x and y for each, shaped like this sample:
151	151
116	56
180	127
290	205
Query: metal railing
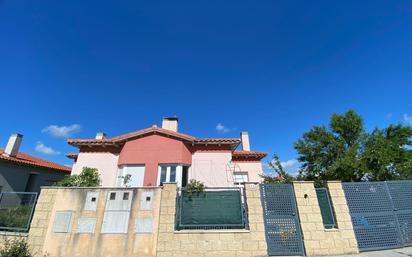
16	210
214	208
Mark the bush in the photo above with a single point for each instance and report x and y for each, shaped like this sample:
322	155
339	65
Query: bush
15	248
194	186
89	177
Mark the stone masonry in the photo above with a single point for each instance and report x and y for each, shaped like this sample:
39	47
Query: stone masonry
41	219
317	239
203	243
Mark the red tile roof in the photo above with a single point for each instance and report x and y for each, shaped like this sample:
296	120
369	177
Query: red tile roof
29	160
252	154
72	155
154	130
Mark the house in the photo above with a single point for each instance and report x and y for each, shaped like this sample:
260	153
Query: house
155	155
20	172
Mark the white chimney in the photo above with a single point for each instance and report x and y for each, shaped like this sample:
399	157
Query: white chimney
245	141
13	145
100	135
170	123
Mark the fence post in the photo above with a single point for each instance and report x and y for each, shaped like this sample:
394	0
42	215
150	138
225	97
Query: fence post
317	239
255	216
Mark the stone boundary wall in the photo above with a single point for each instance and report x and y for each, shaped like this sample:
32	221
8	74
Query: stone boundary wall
204	243
213	243
131	222
318	240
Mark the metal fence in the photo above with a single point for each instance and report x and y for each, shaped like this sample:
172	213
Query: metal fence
16	210
381	213
282	227
215	208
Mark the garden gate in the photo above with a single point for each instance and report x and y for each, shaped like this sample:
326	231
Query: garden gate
381	213
282	227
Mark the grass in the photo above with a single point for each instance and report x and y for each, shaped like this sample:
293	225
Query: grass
16	217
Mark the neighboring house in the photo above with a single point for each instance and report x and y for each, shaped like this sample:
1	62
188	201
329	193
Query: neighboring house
20	172
156	155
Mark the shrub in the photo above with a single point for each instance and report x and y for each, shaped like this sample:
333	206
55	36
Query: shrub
16	217
15	248
89	177
194	186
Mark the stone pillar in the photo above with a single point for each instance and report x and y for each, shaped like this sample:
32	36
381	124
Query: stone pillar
166	243
317	239
255	217
40	221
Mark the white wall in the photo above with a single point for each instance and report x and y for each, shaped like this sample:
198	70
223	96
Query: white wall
106	163
211	168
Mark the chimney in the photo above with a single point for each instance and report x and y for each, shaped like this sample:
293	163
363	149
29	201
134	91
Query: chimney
100	135
170	123
245	141
13	145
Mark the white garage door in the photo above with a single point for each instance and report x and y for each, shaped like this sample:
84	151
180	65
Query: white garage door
136	173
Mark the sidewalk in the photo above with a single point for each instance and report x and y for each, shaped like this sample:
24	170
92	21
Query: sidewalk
401	252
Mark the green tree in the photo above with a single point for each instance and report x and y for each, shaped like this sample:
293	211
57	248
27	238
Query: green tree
387	153
281	175
89	177
330	154
344	151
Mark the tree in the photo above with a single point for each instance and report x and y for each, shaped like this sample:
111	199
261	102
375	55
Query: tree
387	154
89	177
330	154
281	177
344	151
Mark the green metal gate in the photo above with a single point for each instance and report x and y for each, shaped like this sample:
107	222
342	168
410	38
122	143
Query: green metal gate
282	227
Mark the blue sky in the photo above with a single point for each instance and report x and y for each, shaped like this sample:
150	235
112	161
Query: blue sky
273	68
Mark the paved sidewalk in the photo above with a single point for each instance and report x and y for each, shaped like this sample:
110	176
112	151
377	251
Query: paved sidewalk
401	252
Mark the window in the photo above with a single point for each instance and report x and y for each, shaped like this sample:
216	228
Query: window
163	174
170	173
112	196
240	177
326	208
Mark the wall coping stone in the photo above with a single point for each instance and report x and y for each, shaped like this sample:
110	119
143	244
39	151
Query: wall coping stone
111	188
10	233
331	229
211	231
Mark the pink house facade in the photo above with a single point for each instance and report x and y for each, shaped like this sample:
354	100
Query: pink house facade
155	155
